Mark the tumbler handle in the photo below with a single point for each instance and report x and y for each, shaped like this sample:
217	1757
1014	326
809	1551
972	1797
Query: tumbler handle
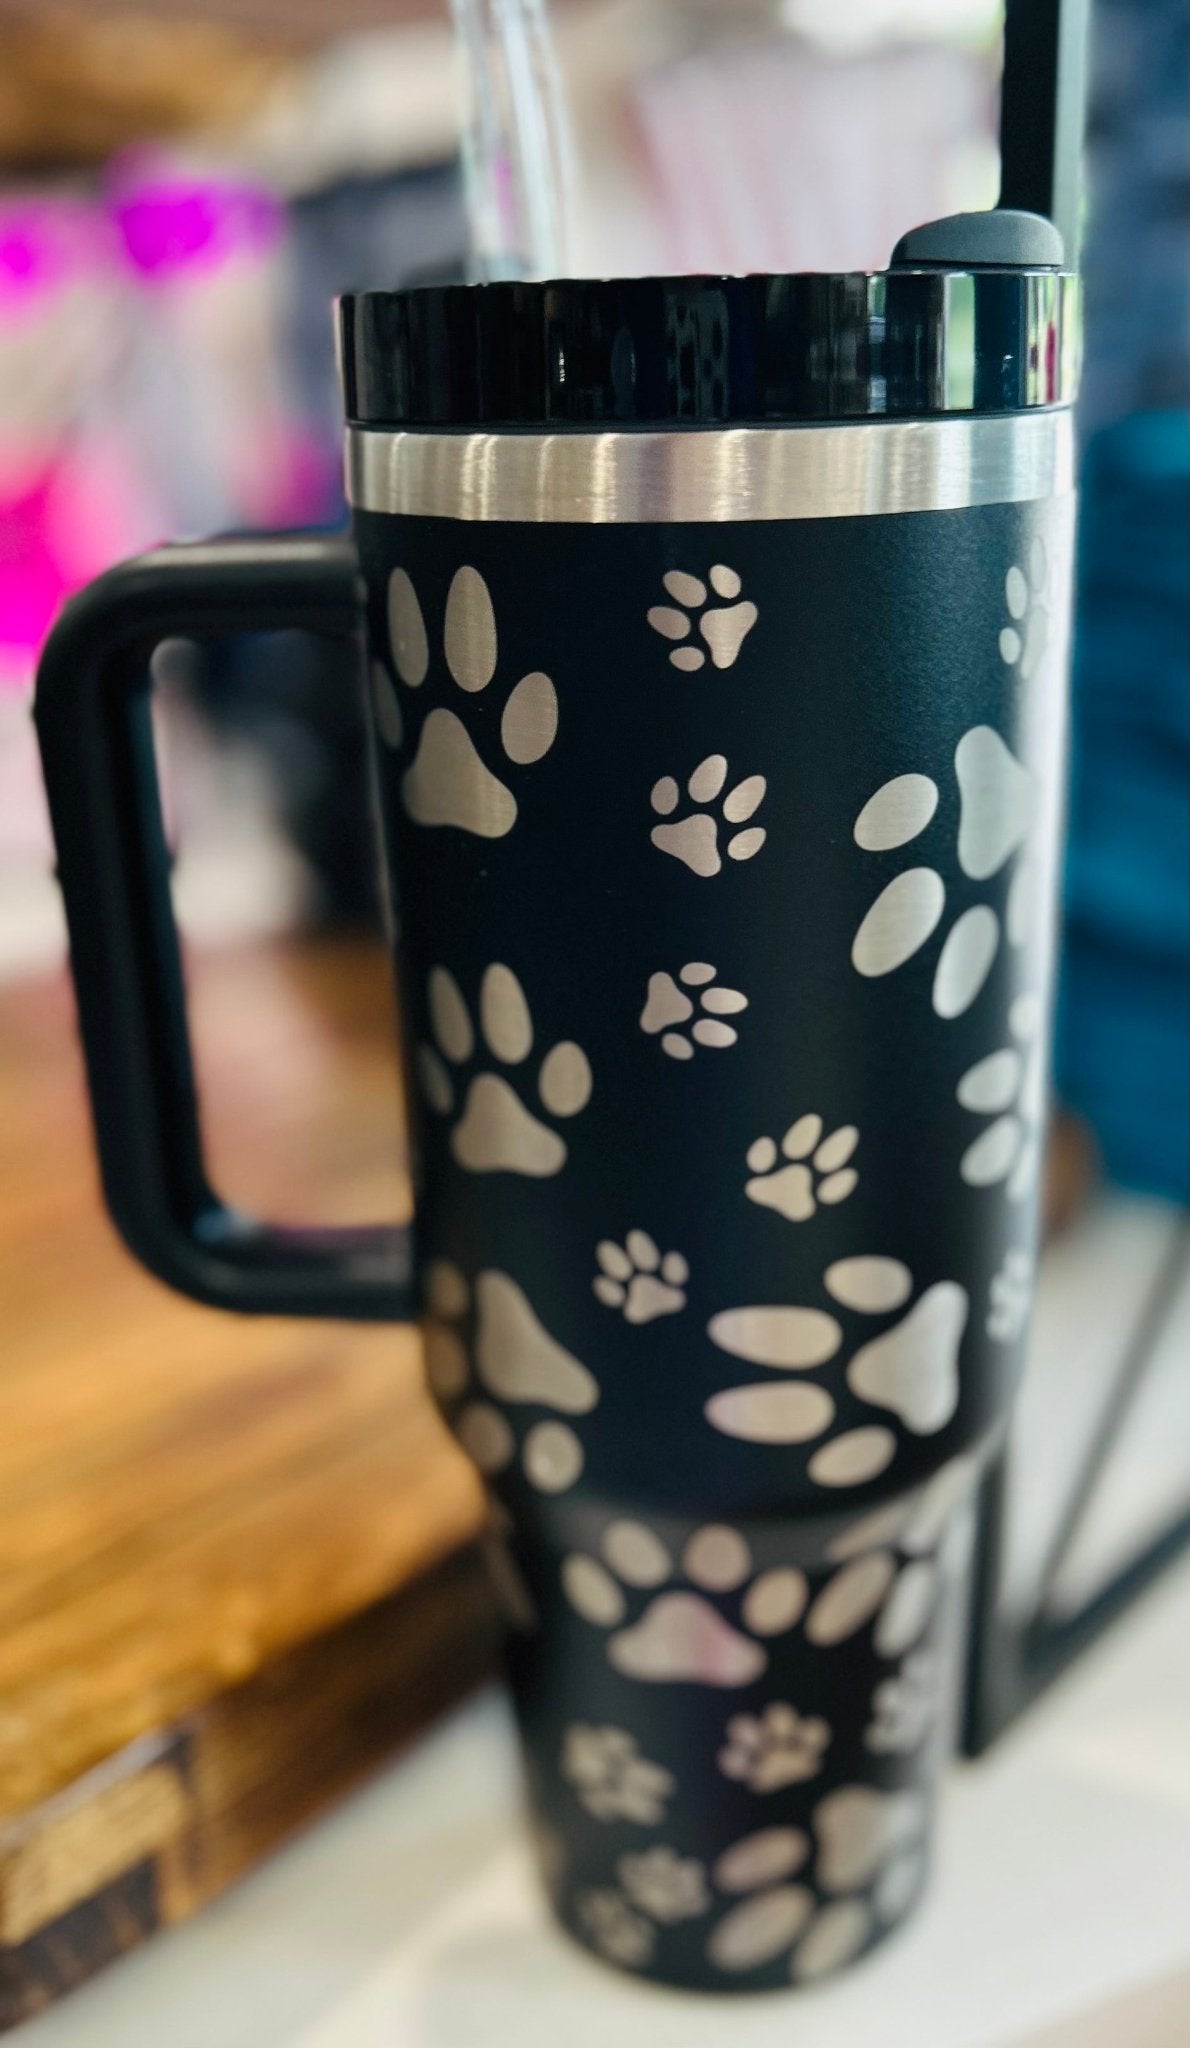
93	722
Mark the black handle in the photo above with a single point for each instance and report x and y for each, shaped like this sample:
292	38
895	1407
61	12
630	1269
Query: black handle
93	723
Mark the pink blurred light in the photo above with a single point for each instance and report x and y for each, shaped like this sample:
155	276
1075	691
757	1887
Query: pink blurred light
45	244
169	223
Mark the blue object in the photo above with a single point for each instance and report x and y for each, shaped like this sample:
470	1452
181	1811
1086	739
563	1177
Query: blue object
1124	1019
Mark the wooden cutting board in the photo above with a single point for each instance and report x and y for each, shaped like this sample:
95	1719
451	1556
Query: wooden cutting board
238	1560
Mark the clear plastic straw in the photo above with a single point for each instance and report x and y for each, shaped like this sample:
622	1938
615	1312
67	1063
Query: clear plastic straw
516	143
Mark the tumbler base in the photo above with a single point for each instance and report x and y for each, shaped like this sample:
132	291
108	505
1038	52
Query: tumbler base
835	1935
733	1789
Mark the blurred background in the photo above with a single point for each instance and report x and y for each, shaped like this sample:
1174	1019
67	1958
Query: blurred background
204	1527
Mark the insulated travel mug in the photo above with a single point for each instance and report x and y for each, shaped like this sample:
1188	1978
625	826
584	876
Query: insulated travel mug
716	632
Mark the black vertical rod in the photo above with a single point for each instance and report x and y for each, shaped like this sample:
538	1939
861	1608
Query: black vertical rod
1043	112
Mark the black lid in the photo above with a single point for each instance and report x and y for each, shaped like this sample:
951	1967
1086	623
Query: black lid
699	351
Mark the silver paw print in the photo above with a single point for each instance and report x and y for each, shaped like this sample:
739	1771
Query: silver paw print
637	1280
694	837
496	1131
448	783
667	1006
724	627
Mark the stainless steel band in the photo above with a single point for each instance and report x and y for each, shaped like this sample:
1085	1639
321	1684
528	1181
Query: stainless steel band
711	474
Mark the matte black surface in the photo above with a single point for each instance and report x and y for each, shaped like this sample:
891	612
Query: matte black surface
878	647
874	653
691	351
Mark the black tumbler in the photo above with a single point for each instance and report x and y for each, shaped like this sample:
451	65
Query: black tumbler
717	637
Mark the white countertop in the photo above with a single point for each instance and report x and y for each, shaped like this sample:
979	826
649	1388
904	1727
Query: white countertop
409	1918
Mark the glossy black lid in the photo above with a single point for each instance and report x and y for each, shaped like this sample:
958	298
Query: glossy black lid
698	351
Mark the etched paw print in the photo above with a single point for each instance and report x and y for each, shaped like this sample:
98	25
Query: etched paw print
998	813
817	1169
865	1838
666	1886
775	1748
612	1779
898	1594
858	1828
497	1132
667	1005
694	839
907	1706
764	1912
1008	1085
634	1278
1010	1296
917	1523
517	1363
1027	595
614	1929
760	1931
770	1912
869	1838
724	627
448	782
910	1368
678	1637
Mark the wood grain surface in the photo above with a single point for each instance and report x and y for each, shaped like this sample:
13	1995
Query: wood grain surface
237	1558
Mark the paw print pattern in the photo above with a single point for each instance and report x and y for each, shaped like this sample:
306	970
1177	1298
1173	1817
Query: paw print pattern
679	1637
857	1827
517	1364
764	1912
775	1748
835	1937
1008	1085
809	1898
694	838
865	1839
908	1706
667	1005
796	1189
1024	640
448	782
723	627
666	1886
769	1912
915	1525
998	813
1010	1296
497	1132
861	1834
612	1779
614	1929
910	1369
634	1278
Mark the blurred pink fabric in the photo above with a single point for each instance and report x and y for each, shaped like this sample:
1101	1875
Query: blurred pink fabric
768	155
